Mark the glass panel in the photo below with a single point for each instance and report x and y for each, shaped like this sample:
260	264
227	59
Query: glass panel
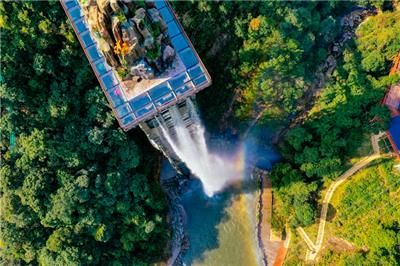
147	110
70	3
188	58
75	13
394	130
116	97
94	53
164	100
173	29
195	72
109	80
179	42
123	110
129	119
159	4
159	91
102	68
184	89
200	80
81	26
140	101
87	39
179	81
166	14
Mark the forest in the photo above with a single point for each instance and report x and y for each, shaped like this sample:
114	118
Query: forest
347	110
76	190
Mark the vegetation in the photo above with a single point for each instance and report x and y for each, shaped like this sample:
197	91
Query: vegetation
75	190
267	53
368	216
347	109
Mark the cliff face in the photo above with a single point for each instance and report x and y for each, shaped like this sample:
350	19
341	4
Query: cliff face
132	36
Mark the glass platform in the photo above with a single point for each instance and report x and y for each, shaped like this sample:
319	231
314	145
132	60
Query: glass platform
192	78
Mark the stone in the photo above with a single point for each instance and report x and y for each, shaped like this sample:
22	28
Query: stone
110	22
92	17
130	34
139	20
104	6
142	69
118	7
168	55
115	28
110	60
150	4
155	17
140	13
149	42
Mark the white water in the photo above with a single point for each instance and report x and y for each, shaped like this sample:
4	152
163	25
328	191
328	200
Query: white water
214	170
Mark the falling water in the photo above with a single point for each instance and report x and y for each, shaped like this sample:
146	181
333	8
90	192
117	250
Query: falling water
214	170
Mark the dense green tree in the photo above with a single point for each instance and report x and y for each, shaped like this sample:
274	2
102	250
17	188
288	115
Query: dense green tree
75	189
347	109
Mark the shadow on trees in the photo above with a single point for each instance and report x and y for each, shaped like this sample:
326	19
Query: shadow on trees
331	213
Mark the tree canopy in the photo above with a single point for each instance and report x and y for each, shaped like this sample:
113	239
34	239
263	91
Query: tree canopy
75	189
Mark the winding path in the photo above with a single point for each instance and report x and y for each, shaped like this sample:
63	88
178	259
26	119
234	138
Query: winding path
314	248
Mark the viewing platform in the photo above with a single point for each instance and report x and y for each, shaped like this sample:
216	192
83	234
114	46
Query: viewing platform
137	101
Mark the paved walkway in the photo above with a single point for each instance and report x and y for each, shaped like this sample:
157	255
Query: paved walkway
315	248
268	246
281	253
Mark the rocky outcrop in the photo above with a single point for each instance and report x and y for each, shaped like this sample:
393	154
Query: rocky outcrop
132	36
142	69
179	242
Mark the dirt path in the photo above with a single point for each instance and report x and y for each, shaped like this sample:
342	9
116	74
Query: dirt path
315	248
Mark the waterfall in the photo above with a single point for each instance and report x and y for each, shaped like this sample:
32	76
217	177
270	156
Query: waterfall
189	143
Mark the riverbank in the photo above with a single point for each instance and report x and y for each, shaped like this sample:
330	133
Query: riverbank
172	185
274	248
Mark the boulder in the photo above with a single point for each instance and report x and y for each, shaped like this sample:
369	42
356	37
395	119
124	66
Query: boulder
115	27
139	20
150	4
118	7
154	14
104	6
92	17
149	42
155	17
168	55
130	34
142	69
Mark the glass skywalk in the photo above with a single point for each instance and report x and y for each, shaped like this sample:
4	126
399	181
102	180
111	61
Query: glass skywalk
129	111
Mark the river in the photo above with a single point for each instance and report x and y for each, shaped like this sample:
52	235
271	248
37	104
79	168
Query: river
222	230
